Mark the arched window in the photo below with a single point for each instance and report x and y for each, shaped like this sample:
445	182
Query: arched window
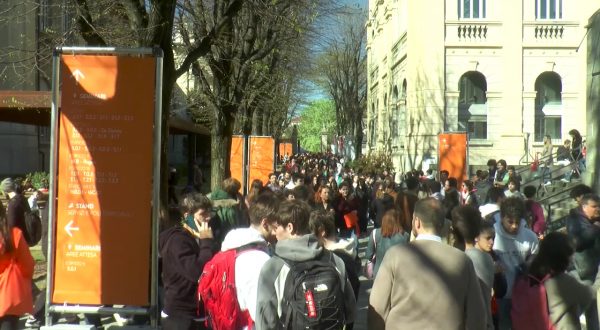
472	104
548	106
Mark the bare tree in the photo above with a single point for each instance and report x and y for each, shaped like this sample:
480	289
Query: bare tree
343	65
148	23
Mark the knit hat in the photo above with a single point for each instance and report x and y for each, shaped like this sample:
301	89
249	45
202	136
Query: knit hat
8	185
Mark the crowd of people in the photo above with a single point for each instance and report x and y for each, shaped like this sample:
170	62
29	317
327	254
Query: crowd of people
464	250
443	252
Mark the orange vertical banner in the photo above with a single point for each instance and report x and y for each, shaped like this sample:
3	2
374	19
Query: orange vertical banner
236	158
261	159
285	148
452	155
104	176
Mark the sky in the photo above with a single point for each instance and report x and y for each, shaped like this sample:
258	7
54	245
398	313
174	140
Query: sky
317	92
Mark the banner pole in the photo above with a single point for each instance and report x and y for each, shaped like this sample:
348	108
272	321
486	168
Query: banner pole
52	182
156	188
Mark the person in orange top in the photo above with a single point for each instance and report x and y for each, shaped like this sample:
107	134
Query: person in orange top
16	272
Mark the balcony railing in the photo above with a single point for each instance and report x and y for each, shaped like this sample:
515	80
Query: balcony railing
549	31
472	31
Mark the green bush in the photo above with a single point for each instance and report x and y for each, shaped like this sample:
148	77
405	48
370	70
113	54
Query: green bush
38	180
373	163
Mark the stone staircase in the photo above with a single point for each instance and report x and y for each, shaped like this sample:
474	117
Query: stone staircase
554	197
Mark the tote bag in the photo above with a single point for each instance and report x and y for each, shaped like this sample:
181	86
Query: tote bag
15	291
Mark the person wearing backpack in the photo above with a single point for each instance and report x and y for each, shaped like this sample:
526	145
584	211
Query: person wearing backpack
322	225
544	295
184	249
243	253
304	286
426	284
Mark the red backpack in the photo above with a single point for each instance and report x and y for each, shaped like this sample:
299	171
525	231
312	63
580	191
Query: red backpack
216	290
530	304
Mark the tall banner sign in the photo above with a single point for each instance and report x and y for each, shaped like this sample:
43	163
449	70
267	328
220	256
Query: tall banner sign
236	158
258	157
453	148
285	148
261	158
103	215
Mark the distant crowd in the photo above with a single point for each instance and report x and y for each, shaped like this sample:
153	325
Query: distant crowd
442	253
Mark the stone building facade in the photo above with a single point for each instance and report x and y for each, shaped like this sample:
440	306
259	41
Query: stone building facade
505	72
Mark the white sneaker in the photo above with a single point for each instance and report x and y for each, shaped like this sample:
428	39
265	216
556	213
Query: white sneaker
32	322
547	183
565	180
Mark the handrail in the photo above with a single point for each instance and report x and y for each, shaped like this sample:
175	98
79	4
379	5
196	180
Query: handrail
526	167
556	169
546	198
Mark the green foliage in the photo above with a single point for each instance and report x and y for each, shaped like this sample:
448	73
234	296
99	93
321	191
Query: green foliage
373	163
317	118
38	180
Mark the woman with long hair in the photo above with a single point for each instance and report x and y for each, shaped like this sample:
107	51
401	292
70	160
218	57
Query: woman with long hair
390	234
324	200
567	297
255	188
16	273
467	194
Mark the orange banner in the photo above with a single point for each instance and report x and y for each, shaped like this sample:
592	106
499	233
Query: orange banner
105	160
285	148
236	158
262	158
453	155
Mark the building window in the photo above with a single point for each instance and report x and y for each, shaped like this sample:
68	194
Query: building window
395	116
372	126
548	106
472	105
548	9
471	8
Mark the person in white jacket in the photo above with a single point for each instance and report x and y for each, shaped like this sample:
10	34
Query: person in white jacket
254	245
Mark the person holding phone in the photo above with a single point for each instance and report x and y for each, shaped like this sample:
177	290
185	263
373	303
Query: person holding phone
184	249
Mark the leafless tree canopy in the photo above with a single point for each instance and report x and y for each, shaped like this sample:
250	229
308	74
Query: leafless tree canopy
343	64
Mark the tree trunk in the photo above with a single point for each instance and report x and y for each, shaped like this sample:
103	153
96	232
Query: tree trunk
220	148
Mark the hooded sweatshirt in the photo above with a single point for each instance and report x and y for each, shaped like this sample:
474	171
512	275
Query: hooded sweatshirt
274	273
248	264
513	250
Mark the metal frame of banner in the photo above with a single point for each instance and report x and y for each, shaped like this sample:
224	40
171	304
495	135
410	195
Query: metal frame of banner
152	310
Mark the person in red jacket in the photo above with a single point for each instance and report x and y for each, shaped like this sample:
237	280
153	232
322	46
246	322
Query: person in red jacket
16	269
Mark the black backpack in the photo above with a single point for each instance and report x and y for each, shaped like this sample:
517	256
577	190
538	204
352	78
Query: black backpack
313	297
33	225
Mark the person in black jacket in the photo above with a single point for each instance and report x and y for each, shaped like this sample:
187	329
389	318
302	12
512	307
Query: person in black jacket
382	203
184	249
17	205
584	233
